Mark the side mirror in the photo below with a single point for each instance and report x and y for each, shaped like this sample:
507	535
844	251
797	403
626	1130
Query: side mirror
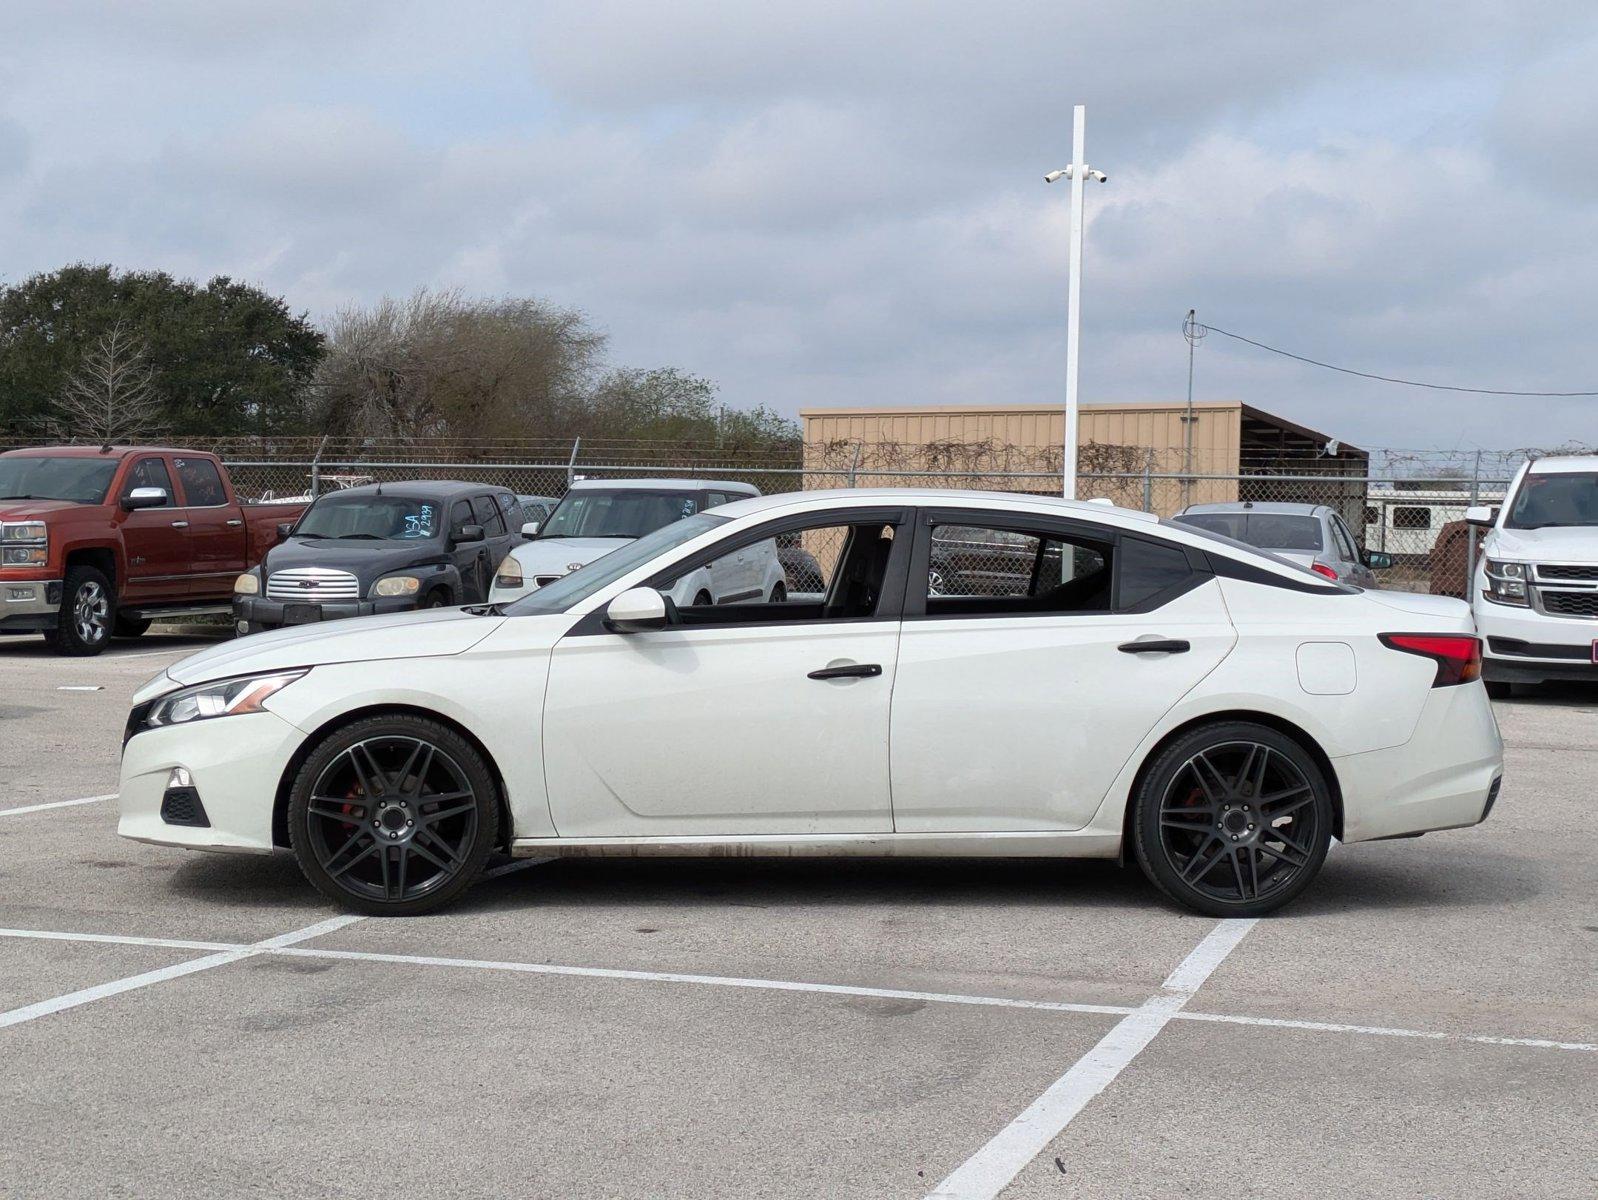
530	530
468	533
1481	514
284	528
1377	561
144	497
636	610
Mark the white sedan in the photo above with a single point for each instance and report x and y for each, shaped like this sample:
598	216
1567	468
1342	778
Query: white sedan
1143	690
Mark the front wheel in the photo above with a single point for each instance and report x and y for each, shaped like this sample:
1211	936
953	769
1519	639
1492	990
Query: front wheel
393	815
88	608
779	594
1233	820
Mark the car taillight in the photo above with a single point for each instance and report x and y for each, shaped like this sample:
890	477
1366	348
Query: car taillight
1323	569
1457	655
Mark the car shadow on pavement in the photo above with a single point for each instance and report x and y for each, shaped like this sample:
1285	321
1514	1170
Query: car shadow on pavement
1564	695
13	647
1399	876
242	880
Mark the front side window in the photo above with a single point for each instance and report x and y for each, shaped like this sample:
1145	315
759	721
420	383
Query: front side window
488	516
77	480
150	473
389	518
582	583
617	512
202	486
974	569
1543	501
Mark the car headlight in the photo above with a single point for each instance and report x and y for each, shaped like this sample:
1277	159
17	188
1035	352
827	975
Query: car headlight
24	556
397	585
510	574
246	585
224	698
1506	582
23	531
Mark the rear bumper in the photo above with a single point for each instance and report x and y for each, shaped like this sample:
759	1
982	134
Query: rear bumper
1445	777
29	605
261	613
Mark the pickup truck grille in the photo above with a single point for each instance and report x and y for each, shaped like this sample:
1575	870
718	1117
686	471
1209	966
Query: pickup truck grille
312	584
1560	571
1570	604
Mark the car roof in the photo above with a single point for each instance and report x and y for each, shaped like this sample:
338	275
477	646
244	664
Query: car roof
434	489
116	452
1561	464
1282	509
668	485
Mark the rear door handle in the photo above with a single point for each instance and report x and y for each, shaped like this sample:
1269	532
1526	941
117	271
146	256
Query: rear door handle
852	671
1155	646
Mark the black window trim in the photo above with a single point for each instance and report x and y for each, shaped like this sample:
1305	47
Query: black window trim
889	604
166	472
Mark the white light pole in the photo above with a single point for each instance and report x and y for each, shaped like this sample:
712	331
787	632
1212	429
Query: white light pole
1078	173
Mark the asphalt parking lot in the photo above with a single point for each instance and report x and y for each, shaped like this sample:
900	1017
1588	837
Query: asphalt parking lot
1423	1023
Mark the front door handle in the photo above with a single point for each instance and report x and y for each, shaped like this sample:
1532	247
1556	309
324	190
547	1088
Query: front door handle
1155	646
180	524
852	671
234	522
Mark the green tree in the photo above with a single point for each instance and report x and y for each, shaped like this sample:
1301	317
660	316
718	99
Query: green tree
226	358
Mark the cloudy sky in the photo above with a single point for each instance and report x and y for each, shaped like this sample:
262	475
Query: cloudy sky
837	203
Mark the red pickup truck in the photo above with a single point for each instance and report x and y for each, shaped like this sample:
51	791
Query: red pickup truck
95	542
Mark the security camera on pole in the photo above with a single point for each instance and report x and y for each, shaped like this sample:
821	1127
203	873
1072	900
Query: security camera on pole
1078	173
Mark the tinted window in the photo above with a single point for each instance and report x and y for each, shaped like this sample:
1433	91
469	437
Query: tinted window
1148	569
344	515
148	473
460	513
1544	500
83	480
202	486
1269	531
488	516
996	571
617	512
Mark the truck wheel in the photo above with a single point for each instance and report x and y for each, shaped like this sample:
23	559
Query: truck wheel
130	627
88	608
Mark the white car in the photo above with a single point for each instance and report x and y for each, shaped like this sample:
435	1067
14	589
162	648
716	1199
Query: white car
1535	594
598	516
1211	710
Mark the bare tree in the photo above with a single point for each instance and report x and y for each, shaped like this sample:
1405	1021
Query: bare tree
111	397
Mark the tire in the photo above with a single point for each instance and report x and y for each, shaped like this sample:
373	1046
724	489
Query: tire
437	598
1499	689
1198	804
88	610
424	842
779	594
130	627
702	600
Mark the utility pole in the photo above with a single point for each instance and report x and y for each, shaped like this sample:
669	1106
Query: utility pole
1194	333
1078	173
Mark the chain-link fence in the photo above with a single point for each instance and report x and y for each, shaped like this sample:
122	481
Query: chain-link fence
1415	520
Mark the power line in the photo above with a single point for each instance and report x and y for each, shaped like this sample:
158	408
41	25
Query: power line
1436	387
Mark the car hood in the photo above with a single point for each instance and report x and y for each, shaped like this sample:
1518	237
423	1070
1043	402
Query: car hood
555	556
425	634
32	510
366	560
1570	544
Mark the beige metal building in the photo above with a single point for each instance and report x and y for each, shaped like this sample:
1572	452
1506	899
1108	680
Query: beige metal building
1136	454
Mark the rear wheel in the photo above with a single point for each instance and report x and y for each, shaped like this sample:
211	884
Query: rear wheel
393	815
88	607
1233	820
779	594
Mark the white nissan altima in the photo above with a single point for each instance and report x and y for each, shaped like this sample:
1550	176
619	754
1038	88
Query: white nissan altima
1103	684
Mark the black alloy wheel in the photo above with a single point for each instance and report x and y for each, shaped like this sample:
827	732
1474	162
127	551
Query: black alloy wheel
393	815
1233	820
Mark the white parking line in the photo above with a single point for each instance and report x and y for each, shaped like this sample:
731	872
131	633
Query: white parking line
989	1171
1112	1010
44	1008
28	808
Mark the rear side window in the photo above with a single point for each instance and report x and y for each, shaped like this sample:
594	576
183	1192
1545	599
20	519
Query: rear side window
1148	571
1003	570
148	473
202	486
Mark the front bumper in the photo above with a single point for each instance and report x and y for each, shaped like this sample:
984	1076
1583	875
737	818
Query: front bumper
29	605
1521	645
257	612
234	764
1445	777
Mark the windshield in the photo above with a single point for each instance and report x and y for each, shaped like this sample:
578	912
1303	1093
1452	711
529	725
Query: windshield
1268	531
617	512
81	480
585	581
397	518
1548	500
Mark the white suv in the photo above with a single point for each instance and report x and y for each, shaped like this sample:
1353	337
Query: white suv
1535	594
598	516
